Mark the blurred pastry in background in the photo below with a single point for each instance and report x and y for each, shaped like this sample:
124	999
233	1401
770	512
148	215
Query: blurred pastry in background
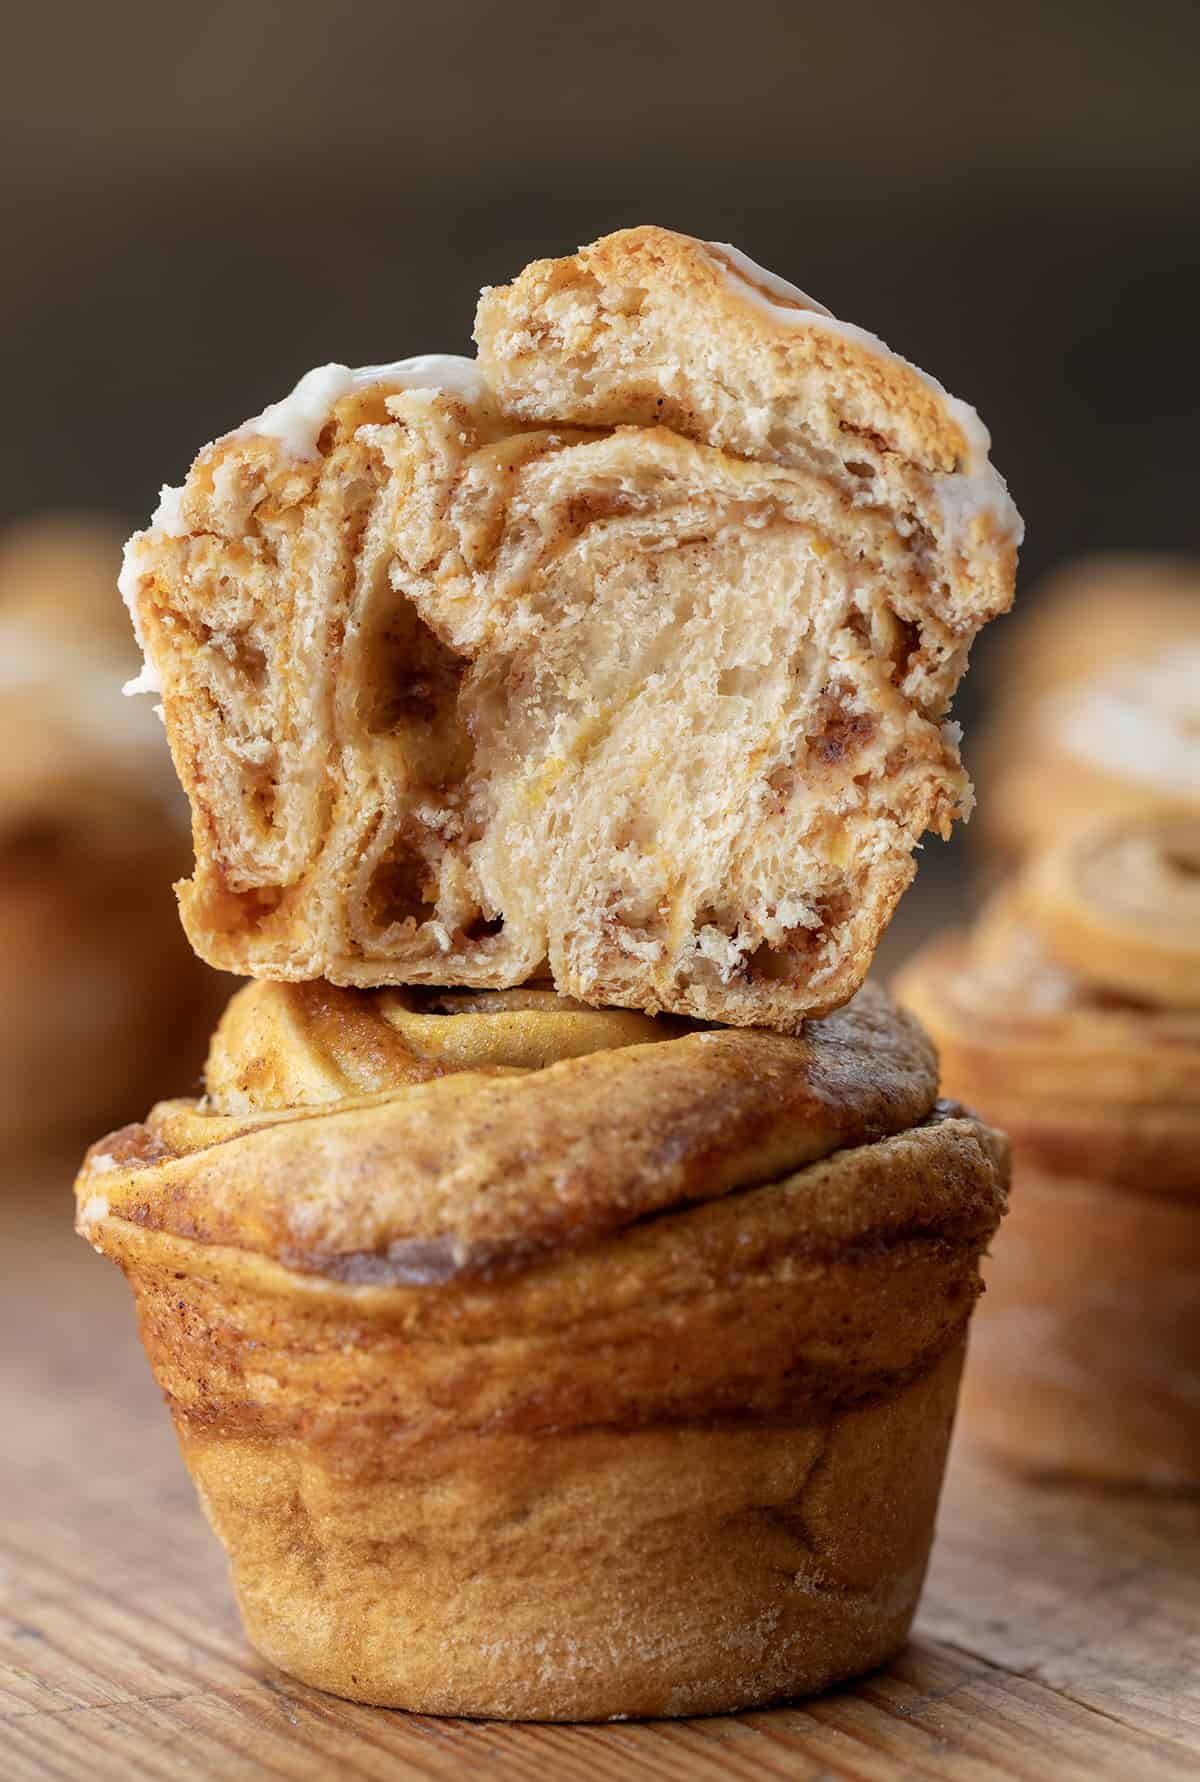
1098	707
1091	613
56	581
1071	1017
102	998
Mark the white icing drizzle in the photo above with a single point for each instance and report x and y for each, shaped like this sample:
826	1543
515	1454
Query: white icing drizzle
167	518
965	494
168	515
147	679
297	421
761	278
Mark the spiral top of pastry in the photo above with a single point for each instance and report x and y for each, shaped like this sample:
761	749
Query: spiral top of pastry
1072	1012
1120	906
403	1137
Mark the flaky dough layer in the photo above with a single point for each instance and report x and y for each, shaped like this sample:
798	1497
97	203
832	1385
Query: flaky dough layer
475	1161
624	654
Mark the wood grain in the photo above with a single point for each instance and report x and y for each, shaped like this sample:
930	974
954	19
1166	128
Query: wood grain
1059	1637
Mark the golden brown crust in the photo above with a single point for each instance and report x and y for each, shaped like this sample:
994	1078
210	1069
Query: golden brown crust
1090	1085
681	1568
289	1046
620	332
653	703
680	1453
865	1264
1120	905
470	1167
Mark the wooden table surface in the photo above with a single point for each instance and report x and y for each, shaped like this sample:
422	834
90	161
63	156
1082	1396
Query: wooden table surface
1059	1635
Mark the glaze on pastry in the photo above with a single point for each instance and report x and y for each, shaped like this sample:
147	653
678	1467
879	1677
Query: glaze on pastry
624	652
539	1362
1071	1017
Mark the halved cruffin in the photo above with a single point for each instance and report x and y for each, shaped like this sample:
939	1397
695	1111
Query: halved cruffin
624	653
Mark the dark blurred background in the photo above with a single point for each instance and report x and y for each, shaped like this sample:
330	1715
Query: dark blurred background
203	202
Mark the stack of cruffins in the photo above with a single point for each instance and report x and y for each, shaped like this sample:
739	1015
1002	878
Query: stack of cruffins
561	1288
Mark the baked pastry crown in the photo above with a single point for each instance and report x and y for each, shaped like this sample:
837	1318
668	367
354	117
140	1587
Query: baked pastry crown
397	1137
625	653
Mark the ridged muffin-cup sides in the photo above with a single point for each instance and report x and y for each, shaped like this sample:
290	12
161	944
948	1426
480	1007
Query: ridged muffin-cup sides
1072	1016
674	1449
